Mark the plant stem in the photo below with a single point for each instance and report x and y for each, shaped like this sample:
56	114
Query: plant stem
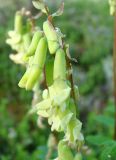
69	66
114	70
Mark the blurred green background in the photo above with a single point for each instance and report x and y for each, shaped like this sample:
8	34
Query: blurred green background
89	31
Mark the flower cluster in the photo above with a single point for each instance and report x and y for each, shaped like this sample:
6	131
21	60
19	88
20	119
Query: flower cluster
112	4
19	38
58	98
57	104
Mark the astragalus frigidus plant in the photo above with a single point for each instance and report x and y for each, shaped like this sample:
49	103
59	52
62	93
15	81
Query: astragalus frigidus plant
46	56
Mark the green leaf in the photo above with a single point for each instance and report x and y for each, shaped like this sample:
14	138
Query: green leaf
105	120
97	140
107	146
109	152
59	12
39	4
109	109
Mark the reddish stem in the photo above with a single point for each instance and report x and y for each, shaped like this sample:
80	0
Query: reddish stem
114	70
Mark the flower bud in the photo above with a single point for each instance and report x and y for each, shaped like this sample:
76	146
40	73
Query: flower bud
53	46
26	41
35	40
51	35
23	81
38	63
49	31
18	22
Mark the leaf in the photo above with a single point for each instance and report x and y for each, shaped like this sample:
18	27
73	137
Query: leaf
60	35
109	109
109	152
41	106
105	120
39	4
68	54
108	146
60	11
97	139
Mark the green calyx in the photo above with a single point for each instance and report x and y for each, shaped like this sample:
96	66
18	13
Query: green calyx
59	65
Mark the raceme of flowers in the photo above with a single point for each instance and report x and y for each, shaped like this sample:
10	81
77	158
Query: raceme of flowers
19	38
57	103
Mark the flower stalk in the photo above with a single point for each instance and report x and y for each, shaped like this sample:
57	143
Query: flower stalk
114	70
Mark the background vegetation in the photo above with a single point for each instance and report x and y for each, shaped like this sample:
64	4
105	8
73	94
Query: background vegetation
89	31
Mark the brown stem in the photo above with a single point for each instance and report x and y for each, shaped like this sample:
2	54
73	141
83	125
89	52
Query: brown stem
69	66
114	70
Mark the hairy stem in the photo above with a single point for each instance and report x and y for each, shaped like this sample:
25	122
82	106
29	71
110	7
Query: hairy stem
69	66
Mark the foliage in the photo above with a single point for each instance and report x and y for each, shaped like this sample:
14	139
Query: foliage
101	140
19	135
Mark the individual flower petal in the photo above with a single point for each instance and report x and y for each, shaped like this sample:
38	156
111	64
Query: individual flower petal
45	94
61	97
73	130
43	113
43	105
54	119
11	33
17	58
66	119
